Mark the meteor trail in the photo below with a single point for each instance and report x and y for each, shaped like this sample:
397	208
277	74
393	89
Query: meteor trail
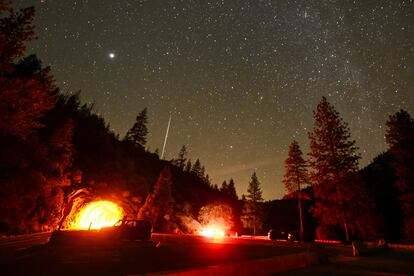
166	137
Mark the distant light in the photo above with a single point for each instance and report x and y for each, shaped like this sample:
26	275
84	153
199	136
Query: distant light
111	55
213	232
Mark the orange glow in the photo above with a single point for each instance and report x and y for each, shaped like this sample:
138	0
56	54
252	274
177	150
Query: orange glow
98	214
213	231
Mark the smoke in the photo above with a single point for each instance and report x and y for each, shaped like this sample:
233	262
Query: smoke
218	215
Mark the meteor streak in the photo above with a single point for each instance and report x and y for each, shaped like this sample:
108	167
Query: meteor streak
166	137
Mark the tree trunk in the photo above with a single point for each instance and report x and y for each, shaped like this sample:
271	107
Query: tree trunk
346	231
300	218
254	227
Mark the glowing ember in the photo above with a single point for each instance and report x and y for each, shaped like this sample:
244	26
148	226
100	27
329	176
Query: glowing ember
213	231
98	214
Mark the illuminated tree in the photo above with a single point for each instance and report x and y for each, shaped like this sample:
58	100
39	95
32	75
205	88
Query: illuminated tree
296	176
27	91
400	138
139	131
159	205
252	214
33	166
333	160
16	29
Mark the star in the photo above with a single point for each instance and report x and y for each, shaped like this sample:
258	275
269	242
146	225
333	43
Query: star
111	55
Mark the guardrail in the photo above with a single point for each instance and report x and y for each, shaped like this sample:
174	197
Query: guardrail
369	244
328	241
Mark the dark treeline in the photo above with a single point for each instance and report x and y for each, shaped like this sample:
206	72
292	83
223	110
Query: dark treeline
380	178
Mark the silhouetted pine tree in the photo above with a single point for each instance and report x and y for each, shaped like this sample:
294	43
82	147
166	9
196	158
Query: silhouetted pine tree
296	177
197	169
254	192
182	157
400	138
252	215
231	190
138	133
340	198
207	180
224	186
188	166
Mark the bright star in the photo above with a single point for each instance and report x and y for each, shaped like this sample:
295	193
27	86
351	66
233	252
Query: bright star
111	55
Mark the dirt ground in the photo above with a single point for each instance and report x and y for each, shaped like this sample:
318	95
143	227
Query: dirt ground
341	262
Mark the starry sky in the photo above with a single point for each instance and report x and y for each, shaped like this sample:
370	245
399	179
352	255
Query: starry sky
239	77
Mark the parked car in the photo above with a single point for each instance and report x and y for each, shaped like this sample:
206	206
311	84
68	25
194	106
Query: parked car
130	230
283	235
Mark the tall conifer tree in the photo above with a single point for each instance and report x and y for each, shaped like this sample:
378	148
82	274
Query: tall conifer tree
182	157
197	169
252	211
296	176
139	131
333	160
232	190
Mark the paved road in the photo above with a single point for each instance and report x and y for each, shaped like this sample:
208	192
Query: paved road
10	245
27	255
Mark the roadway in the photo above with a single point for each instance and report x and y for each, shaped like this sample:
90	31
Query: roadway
30	254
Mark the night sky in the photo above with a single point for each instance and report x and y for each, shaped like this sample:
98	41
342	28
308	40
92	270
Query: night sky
240	78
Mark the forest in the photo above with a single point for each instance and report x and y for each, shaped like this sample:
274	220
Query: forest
57	154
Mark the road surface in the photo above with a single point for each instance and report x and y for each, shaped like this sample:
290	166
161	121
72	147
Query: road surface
29	255
9	245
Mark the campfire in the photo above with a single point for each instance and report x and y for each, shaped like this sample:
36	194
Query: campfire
98	214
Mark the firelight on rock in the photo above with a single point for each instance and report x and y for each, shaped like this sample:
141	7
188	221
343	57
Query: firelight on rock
98	214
